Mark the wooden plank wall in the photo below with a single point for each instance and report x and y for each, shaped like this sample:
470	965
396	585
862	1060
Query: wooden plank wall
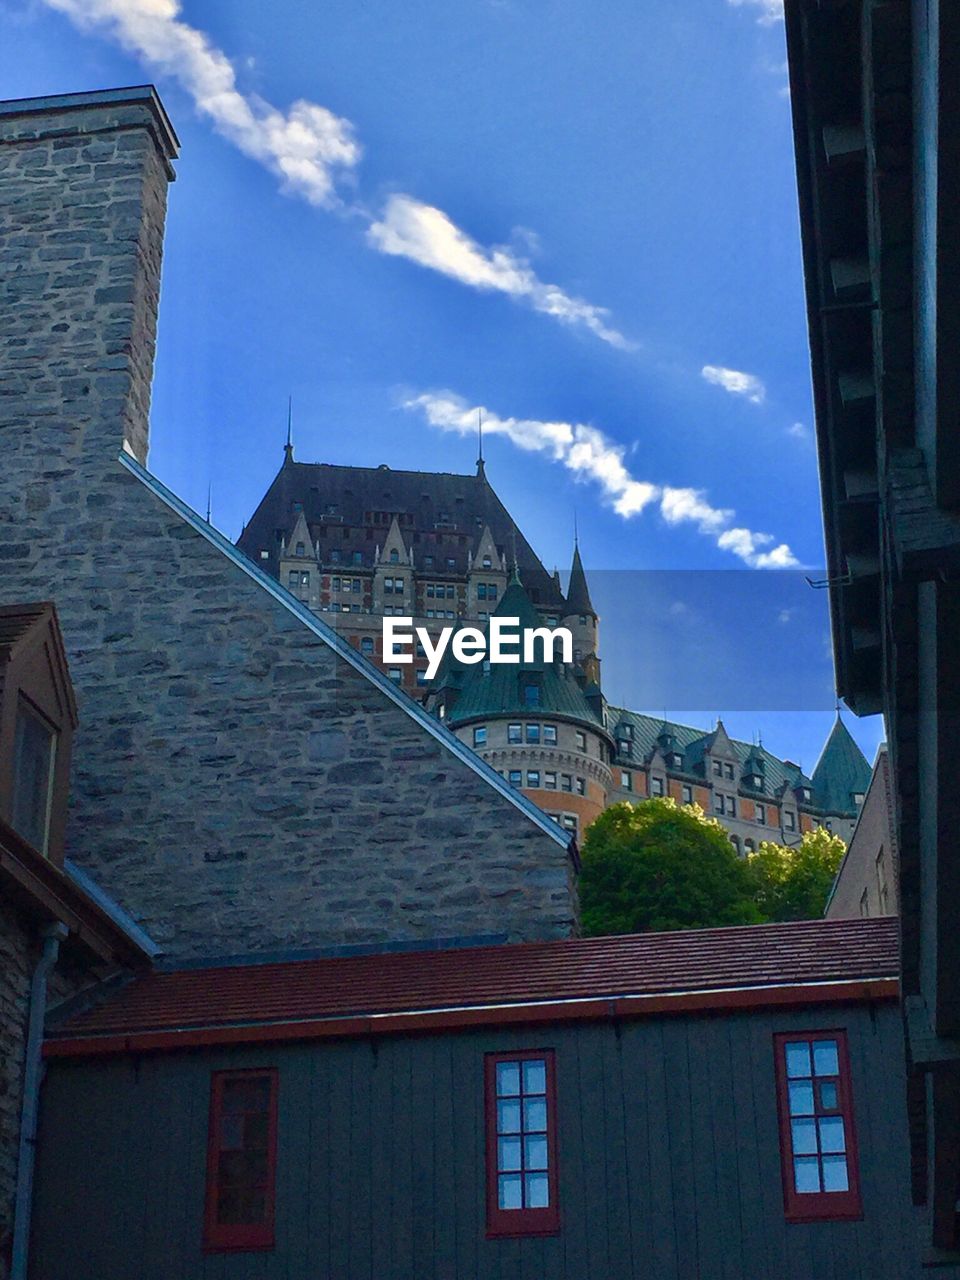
668	1151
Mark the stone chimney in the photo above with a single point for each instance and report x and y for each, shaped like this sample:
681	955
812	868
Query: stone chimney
83	187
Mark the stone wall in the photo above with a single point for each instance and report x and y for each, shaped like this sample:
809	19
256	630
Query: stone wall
237	785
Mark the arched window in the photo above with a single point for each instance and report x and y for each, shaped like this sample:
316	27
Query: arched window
749	846
735	841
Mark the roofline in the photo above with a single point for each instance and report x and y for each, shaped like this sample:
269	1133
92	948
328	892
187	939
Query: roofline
528	1013
145	94
351	656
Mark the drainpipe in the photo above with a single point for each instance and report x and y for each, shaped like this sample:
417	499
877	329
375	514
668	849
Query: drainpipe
52	936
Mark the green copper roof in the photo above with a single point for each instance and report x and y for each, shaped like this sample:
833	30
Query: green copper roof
502	688
841	773
578	594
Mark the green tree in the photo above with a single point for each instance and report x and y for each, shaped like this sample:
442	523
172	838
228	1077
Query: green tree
793	883
658	865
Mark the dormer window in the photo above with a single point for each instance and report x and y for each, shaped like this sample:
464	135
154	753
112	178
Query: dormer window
676	761
33	761
486	562
301	549
858	798
394	557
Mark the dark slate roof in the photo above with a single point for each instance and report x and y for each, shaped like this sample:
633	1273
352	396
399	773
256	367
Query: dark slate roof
336	500
842	772
693	743
578	594
799	953
500	690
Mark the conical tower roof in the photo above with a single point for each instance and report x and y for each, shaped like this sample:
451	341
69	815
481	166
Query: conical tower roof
578	594
841	773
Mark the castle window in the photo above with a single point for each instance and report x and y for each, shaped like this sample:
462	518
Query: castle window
656	786
428	562
398	586
491	591
626	780
483	616
515	777
581	787
687	794
241	1160
817	1141
481	591
857	795
514	732
358	557
300	549
394	556
761	815
789	820
430	613
533	732
566	782
388	586
533	777
366	645
450	613
531	695
421	677
719	803
334	555
521	1143
486	562
292	578
735	841
264	555
480	736
430	590
550	735
624	747
717	769
732	806
305	579
569	822
581	741
583	619
550	780
451	563
396	675
421	652
356	586
805	793
728	771
335	584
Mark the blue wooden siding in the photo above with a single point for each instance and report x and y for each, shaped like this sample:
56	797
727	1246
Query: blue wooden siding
668	1157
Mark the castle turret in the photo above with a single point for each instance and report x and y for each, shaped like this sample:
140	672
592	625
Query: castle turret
581	618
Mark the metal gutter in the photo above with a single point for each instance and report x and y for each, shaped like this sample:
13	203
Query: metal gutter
444	736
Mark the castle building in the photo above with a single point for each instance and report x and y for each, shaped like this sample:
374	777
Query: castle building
357	544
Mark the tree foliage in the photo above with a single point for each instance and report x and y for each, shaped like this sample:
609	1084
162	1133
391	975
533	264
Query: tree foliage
657	865
794	883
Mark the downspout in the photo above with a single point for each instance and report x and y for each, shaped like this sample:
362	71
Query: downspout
52	936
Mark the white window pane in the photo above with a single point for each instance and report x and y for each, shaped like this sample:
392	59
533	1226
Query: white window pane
508	1078
835	1173
801	1099
804	1134
534	1115
831	1134
508	1117
534	1152
510	1191
825	1061
508	1154
535	1076
798	1058
806	1174
537	1191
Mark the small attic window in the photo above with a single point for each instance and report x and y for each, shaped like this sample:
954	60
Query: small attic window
264	555
33	761
486	562
858	797
394	557
301	549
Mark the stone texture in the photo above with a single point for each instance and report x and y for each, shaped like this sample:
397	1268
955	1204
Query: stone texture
237	786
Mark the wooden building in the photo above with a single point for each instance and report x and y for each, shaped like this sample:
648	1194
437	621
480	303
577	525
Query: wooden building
719	1103
876	116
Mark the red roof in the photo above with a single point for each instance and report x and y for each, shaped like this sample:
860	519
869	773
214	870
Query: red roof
751	958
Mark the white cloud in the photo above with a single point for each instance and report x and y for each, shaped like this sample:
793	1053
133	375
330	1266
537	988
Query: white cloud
786	616
591	455
736	382
308	147
410	229
799	431
769	12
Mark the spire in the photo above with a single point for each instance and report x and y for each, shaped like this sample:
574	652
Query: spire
288	447
480	467
578	594
209	498
841	772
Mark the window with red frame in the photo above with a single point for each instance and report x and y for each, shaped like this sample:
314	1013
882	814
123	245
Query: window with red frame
241	1160
521	1144
818	1147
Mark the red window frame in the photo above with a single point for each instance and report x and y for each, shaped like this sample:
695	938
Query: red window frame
521	1221
239	1235
817	1206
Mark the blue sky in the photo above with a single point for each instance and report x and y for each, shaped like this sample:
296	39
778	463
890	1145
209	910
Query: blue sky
577	214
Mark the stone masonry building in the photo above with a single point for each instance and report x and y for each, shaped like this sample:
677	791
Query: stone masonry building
286	795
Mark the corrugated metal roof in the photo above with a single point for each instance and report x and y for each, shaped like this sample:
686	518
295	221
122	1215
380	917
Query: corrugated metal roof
809	952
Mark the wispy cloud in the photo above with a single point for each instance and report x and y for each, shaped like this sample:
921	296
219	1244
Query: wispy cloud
307	147
408	228
736	382
310	149
769	12
799	431
591	455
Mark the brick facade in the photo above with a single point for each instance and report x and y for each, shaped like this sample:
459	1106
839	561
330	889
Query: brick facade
229	768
